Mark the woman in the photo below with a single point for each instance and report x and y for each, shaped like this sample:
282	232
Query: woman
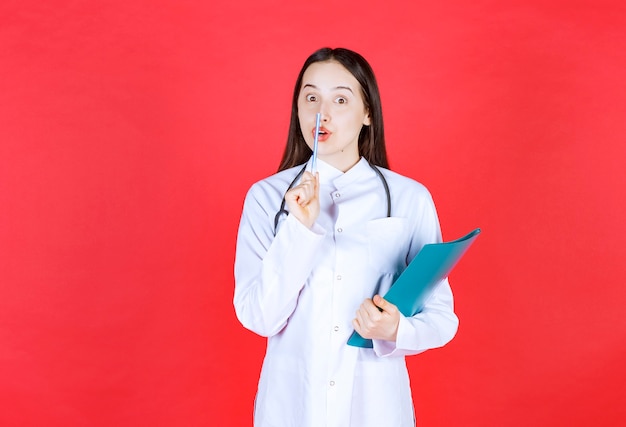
311	271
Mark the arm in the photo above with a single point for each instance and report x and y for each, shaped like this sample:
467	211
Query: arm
396	335
433	327
270	271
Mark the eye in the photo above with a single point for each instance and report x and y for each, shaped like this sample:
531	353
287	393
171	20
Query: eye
341	100
311	97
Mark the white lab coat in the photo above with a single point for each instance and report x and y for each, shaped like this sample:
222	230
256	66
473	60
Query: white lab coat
302	288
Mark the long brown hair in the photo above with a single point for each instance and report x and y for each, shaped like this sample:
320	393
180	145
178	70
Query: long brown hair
371	138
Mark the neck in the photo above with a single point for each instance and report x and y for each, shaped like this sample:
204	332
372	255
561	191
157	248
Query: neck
342	164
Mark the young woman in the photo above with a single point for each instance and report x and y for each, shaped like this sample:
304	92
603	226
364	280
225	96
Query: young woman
317	249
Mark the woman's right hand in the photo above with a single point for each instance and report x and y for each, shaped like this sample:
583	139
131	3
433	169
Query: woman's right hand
303	200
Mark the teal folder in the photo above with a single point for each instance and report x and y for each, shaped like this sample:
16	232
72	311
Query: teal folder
417	282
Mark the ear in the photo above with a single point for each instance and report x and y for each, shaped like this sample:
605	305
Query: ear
366	119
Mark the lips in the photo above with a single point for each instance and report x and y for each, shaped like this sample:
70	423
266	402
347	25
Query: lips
324	134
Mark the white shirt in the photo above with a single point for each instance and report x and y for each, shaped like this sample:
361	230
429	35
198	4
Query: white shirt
302	288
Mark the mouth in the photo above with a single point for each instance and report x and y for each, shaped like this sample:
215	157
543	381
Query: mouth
323	134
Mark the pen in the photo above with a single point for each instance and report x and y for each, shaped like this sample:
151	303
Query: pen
317	131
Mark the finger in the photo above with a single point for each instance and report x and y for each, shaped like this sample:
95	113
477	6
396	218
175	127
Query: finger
366	320
311	187
359	316
360	328
313	180
301	194
373	312
317	183
362	323
296	195
308	177
371	315
384	305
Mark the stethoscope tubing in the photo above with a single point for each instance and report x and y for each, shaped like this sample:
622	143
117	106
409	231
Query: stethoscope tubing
282	209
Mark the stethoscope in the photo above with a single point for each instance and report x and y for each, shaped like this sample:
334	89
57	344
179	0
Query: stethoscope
282	204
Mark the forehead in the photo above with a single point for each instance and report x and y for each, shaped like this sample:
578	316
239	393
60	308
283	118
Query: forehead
329	75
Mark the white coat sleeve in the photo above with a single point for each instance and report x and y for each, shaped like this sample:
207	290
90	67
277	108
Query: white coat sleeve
437	323
270	270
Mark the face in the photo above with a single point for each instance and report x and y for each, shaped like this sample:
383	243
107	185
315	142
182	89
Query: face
330	89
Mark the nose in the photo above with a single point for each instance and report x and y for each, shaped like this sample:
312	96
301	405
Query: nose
324	112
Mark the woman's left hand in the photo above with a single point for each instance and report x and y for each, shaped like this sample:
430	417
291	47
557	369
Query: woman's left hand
372	323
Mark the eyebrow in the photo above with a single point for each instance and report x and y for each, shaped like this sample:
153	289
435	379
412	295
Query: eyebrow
335	88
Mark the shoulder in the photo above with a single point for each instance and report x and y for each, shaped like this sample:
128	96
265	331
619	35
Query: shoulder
404	185
274	186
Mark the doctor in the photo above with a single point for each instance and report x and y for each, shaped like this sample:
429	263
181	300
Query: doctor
307	277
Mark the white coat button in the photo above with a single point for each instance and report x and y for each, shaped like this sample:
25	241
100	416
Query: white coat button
336	328
339	277
332	383
339	230
337	195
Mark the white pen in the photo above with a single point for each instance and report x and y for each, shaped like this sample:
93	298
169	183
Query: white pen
317	131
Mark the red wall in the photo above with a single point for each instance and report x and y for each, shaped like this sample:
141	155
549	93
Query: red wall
129	134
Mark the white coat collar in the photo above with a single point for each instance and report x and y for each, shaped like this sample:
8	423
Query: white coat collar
331	175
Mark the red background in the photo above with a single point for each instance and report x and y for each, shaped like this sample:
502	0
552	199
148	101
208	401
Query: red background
130	132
